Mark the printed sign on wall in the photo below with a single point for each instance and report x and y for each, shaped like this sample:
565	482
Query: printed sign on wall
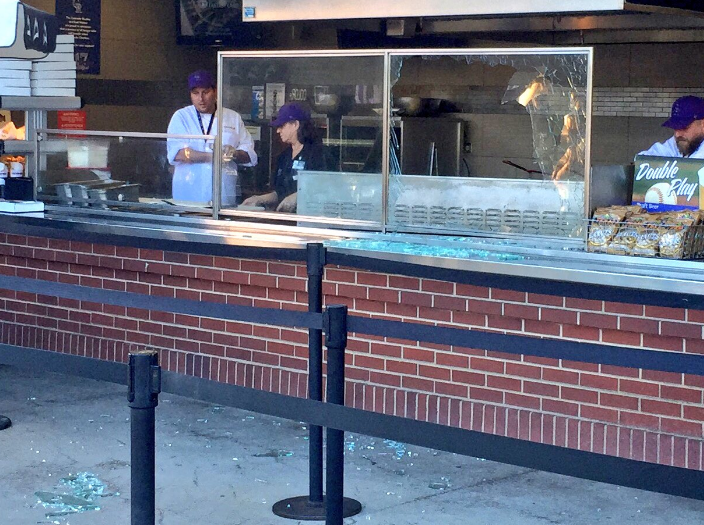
666	183
81	18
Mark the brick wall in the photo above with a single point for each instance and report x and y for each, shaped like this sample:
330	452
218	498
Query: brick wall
652	416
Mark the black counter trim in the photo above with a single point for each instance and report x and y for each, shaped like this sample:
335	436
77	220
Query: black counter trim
521	284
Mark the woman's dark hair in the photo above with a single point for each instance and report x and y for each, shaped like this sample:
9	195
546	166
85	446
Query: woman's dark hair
307	132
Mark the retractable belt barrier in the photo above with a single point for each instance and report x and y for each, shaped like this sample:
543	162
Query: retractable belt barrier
337	418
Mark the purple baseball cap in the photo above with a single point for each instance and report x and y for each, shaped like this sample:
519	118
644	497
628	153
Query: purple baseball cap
290	112
685	110
200	79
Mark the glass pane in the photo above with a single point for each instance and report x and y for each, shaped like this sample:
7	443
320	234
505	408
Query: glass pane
90	169
489	142
321	160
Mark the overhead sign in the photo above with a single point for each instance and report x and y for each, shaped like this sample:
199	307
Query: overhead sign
25	32
81	18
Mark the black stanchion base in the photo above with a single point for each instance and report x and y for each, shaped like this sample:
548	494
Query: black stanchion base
5	422
302	508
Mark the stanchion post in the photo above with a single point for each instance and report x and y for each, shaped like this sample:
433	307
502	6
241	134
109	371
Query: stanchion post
311	507
337	507
144	385
315	266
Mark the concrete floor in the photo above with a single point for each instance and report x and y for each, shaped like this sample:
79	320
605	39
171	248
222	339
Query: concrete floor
223	466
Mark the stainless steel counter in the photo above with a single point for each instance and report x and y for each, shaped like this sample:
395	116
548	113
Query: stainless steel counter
513	257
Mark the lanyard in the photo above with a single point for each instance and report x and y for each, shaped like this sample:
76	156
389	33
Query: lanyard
200	121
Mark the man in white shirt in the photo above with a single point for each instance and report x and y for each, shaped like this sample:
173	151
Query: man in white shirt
193	158
687	121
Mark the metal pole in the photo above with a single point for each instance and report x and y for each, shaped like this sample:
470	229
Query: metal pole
311	507
315	266
144	385
337	507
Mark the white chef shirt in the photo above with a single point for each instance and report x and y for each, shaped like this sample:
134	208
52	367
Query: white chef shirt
194	181
669	149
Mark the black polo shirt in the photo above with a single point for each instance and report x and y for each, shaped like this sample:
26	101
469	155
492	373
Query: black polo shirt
311	157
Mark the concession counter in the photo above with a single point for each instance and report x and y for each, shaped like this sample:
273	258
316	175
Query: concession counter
500	142
496	249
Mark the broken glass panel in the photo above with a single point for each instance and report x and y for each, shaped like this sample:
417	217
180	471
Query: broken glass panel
489	141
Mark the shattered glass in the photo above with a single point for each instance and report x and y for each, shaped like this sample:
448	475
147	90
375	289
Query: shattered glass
79	493
442	484
274	453
552	89
385	246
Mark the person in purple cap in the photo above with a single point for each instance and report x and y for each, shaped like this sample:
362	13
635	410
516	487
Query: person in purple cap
193	158
687	121
304	152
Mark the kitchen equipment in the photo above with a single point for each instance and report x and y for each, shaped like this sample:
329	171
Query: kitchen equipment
419	157
518	166
87	193
408	106
610	185
415	106
339	194
119	192
536	207
87	154
19	189
327	103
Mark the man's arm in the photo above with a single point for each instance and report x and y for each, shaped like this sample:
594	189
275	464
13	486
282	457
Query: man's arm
237	155
192	156
235	134
178	150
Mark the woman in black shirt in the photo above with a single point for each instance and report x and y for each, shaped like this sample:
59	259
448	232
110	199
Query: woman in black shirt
305	152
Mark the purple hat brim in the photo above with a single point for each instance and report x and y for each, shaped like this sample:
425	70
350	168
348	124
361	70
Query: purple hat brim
677	123
276	123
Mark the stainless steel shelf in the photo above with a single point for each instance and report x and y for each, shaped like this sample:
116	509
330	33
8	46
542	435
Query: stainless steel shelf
366	121
348	142
22	147
40	103
19	147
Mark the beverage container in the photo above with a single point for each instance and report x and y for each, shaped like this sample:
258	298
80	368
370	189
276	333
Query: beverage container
700	174
257	103
16	169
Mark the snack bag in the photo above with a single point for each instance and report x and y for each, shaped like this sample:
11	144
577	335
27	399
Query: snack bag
673	241
625	239
605	224
648	234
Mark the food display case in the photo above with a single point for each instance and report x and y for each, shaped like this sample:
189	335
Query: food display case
513	162
506	108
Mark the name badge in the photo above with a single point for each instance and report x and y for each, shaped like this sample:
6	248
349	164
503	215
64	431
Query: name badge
299	164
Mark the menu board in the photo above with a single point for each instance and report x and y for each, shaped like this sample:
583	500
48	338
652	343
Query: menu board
668	183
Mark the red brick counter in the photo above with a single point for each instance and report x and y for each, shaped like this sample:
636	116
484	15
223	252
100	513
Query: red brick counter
639	414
